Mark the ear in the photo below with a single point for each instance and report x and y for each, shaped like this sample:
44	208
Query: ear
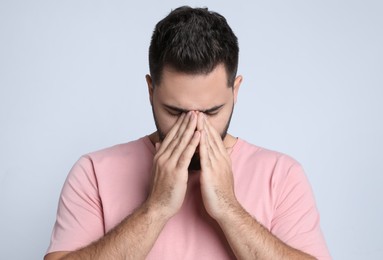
149	82
237	84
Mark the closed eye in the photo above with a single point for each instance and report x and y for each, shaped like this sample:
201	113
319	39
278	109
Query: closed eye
175	114
211	114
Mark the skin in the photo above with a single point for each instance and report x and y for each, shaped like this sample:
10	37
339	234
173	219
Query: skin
191	127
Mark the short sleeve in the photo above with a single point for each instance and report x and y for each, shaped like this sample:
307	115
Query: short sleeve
79	216
296	218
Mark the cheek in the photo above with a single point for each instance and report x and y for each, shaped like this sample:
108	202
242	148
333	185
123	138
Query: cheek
166	122
218	122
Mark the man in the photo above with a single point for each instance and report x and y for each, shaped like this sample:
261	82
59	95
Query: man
190	190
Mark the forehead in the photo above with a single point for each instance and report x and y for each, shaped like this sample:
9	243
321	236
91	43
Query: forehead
193	92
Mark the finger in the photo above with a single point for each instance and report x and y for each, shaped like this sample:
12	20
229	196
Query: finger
185	136
200	122
209	140
157	146
176	135
204	151
183	125
213	137
173	131
187	154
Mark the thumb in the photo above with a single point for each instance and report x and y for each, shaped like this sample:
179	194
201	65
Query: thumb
157	146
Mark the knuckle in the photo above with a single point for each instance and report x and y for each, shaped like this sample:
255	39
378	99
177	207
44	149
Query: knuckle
167	168
182	162
160	160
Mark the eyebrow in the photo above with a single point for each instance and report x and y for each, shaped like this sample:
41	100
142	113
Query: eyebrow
182	110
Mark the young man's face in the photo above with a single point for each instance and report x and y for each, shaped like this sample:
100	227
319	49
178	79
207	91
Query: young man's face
180	92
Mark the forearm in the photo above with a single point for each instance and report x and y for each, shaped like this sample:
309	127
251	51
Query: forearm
133	238
250	240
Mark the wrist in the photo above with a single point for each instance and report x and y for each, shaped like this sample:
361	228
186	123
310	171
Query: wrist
156	212
231	213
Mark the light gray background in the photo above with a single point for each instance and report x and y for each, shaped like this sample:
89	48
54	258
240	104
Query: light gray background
72	81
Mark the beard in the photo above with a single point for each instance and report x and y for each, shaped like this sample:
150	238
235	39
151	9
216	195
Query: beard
195	163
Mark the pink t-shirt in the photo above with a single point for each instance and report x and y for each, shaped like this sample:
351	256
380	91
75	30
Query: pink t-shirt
106	186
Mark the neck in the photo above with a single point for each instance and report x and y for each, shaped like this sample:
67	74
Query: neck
229	141
154	138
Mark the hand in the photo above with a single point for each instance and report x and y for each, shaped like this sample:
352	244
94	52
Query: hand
170	165
217	183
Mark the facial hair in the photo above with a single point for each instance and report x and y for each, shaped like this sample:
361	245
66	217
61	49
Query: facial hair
195	163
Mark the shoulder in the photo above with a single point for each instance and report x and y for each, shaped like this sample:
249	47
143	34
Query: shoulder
126	156
118	160
266	166
260	155
138	147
